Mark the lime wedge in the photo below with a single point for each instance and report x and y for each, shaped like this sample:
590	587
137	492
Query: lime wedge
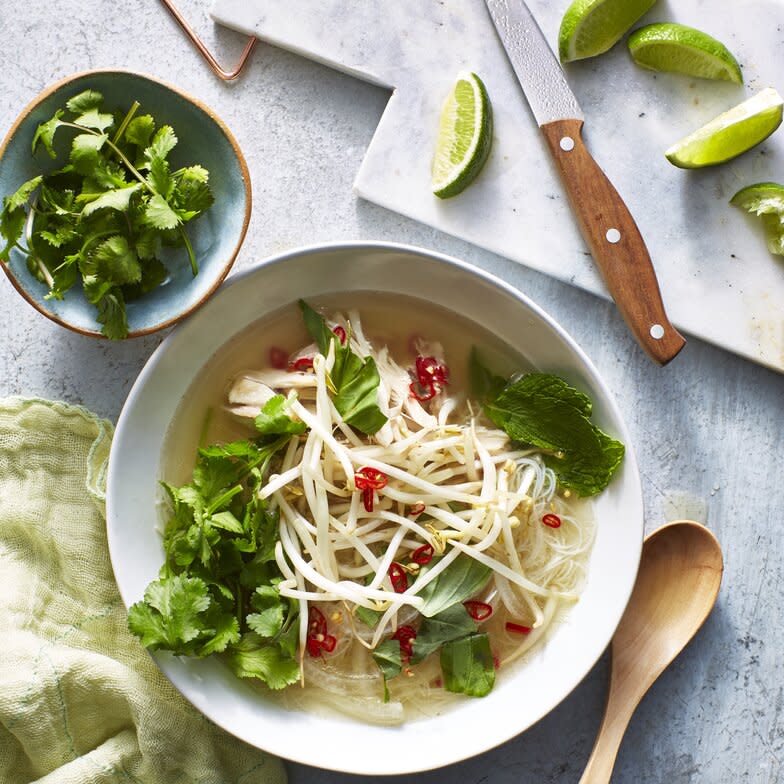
681	49
766	200
731	133
590	27
465	135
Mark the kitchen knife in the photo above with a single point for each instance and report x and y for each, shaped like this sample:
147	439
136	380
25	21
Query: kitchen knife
605	221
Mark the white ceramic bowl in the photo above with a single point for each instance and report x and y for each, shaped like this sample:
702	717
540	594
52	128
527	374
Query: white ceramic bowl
474	725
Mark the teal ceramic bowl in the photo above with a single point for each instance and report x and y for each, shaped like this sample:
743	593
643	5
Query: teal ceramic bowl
216	235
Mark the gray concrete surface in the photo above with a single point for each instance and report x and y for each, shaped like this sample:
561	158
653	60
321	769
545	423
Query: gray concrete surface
707	429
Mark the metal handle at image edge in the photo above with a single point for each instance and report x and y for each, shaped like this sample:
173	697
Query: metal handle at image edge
614	241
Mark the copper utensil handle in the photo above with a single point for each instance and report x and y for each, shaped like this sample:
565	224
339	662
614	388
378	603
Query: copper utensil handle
614	240
227	76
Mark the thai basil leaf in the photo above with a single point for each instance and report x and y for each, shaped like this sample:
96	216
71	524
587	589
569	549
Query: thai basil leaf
458	582
387	656
467	666
450	624
355	379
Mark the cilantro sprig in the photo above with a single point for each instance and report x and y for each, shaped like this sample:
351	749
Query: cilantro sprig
217	592
104	216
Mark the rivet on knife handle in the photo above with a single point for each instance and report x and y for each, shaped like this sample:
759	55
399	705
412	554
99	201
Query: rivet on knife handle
614	240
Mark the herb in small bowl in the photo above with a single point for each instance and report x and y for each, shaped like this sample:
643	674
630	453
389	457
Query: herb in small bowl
114	225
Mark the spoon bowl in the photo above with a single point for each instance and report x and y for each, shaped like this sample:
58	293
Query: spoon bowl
677	585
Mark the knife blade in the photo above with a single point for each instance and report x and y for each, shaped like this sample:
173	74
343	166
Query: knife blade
604	219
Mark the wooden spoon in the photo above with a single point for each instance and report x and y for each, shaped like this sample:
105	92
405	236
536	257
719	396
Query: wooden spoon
676	588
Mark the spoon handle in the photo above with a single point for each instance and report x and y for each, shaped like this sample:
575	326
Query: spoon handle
617	715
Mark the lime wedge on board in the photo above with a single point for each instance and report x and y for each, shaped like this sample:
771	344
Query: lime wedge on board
591	27
766	200
681	49
465	136
731	133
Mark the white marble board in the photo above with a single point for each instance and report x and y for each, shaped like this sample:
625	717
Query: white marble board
717	278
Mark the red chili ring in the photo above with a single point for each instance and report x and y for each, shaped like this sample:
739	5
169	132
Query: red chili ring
423	555
517	628
341	334
398	577
302	364
552	521
479	611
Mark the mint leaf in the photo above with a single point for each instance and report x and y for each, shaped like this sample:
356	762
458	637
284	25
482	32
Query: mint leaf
111	314
458	582
484	384
45	133
544	411
84	101
118	199
450	624
159	214
356	380
275	419
467	666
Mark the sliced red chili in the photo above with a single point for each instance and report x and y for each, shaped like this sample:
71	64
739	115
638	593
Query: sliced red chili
422	393
367	499
423	555
318	640
278	358
416	510
479	611
517	628
367	477
398	577
341	334
430	376
496	662
552	521
302	364
405	635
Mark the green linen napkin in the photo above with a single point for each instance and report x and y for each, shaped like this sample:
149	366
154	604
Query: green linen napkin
81	702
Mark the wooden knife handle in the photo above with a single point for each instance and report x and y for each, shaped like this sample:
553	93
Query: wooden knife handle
615	241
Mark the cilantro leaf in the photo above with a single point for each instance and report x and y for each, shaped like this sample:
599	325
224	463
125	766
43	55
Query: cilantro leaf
139	130
153	274
94	119
224	630
171	614
114	200
113	260
161	145
45	133
159	179
458	582
111	314
356	380
453	623
275	419
543	410
192	194
84	101
159	214
467	666
252	658
85	151
22	195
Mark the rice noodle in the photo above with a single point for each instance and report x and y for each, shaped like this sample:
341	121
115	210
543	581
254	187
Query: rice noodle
476	493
